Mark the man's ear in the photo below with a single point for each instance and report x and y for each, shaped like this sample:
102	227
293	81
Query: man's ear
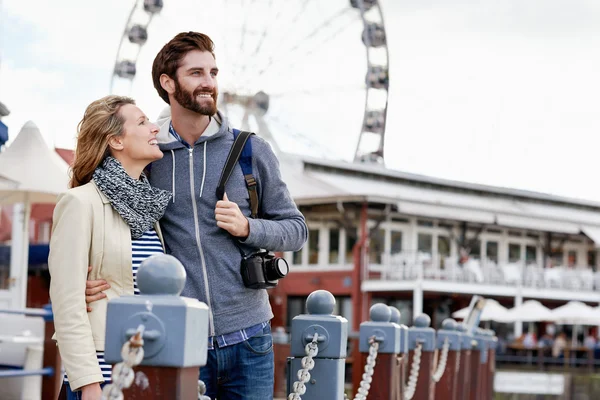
167	83
116	143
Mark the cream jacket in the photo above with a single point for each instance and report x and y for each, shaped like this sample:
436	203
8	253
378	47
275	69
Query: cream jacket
86	231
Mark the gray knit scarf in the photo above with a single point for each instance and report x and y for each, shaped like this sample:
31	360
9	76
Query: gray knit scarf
138	203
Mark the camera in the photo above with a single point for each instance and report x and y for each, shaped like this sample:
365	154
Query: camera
262	270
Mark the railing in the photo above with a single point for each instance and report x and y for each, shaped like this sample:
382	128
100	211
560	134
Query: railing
40	350
414	265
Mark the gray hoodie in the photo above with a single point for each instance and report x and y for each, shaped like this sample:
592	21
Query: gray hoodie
211	256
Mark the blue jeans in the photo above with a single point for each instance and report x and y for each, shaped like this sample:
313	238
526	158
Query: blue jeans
241	371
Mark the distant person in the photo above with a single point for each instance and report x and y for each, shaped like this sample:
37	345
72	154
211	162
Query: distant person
589	342
560	344
104	221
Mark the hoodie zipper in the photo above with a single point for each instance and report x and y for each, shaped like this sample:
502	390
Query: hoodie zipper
197	226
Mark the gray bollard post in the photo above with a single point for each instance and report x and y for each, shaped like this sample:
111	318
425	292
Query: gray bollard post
318	351
479	358
464	370
446	374
383	338
421	343
492	364
173	332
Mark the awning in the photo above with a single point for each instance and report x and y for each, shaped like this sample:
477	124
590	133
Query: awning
593	232
537	224
445	212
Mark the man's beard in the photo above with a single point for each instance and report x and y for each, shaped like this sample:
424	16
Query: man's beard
188	100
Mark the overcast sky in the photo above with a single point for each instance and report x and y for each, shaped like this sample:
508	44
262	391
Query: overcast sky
499	92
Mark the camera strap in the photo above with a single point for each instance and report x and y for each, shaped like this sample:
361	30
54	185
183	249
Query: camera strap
241	151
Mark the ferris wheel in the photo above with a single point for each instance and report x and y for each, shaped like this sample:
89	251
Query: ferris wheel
309	76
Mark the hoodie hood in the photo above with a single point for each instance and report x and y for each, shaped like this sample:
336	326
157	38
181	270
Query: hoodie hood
167	142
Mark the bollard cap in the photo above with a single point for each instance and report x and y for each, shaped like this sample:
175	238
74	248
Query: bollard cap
422	321
395	317
380	313
320	302
461	327
161	274
449	324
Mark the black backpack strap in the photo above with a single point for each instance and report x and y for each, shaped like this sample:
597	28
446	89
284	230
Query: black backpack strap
233	157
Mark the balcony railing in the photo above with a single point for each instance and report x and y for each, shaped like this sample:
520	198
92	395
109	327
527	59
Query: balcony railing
415	265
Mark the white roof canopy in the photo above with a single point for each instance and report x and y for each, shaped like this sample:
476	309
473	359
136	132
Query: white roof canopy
593	232
39	173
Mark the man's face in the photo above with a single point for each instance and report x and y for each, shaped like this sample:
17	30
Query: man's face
196	83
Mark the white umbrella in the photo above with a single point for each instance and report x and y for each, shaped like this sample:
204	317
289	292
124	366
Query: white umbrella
492	311
529	311
41	175
576	313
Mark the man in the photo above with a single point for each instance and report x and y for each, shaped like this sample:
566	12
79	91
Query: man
210	235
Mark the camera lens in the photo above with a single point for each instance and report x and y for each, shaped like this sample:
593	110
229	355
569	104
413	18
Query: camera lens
277	268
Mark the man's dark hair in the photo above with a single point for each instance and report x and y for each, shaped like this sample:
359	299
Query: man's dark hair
168	58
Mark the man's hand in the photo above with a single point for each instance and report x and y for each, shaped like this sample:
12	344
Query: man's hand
230	217
94	290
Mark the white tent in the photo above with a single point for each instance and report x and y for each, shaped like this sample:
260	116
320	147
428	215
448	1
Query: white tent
492	311
40	176
529	311
576	313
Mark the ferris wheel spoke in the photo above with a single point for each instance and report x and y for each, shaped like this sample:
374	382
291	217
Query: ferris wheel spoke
296	62
319	90
274	61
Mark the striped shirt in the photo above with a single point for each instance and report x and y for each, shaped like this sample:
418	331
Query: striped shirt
149	244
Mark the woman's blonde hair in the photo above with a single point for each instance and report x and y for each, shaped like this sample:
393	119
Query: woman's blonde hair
101	121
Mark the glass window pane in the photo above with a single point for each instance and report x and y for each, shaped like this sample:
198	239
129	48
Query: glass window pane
425	243
376	246
351	238
592	259
443	246
297	257
572	258
396	245
556	257
334	246
313	246
491	251
514	252
530	255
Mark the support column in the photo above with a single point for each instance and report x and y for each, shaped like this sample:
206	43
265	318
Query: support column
518	325
417	300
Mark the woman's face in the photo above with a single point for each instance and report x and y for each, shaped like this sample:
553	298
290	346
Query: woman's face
138	141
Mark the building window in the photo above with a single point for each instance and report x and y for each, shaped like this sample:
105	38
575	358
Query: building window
530	255
556	257
491	251
572	258
424	243
296	305
351	238
591	256
443	249
514	252
334	246
297	257
313	246
396	245
427	224
376	246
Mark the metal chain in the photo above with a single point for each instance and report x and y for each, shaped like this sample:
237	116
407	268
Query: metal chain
299	387
202	391
132	353
439	372
367	377
411	387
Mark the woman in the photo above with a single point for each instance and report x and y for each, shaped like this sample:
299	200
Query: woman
107	220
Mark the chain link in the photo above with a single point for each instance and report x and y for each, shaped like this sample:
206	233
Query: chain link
439	372
411	387
132	353
202	391
367	377
299	387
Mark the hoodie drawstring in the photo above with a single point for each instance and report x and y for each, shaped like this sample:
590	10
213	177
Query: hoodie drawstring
173	177
204	171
